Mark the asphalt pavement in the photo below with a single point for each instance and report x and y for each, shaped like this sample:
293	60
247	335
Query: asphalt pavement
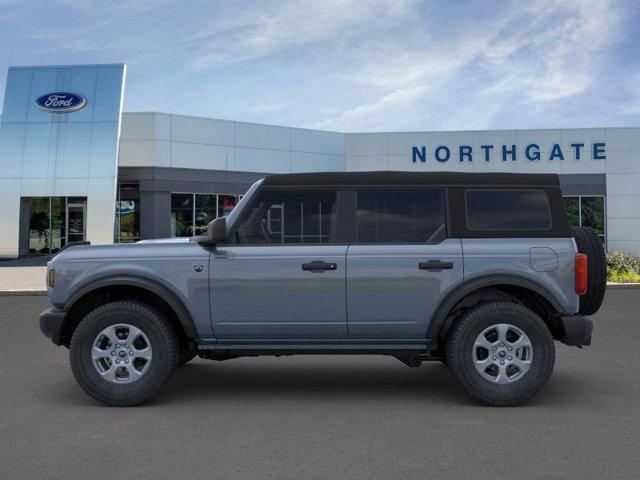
321	417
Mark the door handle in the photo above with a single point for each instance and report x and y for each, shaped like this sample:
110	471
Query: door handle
435	265
319	266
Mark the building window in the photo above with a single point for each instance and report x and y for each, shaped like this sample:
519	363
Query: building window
192	212
40	226
182	213
588	211
127	227
54	222
206	209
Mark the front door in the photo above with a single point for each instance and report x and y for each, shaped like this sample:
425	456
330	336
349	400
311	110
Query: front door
401	263
76	215
281	276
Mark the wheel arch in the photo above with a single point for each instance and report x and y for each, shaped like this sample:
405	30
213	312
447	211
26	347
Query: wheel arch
527	291
120	287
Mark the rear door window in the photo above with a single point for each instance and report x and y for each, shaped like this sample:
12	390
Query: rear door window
400	216
493	209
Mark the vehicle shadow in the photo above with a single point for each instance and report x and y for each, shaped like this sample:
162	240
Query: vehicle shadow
257	380
251	381
254	379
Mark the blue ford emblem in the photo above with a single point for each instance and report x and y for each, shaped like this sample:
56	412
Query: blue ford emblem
61	102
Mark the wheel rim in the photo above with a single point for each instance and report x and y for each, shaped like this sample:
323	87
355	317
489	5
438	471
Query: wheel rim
121	353
502	353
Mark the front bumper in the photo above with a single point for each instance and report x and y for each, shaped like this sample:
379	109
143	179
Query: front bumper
51	321
576	330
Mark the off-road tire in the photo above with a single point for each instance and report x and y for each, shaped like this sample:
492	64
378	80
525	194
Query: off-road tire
590	244
164	347
460	345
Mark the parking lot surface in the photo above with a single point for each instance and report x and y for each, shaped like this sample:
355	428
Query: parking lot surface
321	417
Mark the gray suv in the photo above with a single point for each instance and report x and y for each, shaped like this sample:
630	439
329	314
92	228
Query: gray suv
479	271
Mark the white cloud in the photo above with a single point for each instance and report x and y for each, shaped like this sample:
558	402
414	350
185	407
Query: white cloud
286	24
530	53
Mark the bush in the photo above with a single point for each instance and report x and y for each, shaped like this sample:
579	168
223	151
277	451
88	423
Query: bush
622	267
622	276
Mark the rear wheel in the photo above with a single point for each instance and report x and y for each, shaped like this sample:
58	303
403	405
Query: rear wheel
502	353
123	353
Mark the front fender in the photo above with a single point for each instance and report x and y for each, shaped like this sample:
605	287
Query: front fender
152	285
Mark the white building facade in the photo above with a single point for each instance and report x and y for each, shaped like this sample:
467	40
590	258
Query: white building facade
175	173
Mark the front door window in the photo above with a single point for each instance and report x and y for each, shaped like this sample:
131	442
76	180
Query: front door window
277	217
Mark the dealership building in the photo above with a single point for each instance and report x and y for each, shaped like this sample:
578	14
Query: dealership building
74	166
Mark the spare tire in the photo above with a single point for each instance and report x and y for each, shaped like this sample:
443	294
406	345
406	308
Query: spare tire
590	244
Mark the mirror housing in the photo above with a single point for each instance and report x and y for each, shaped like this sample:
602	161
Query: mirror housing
217	230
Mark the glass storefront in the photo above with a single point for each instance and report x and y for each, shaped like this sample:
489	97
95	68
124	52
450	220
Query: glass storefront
204	213
127	227
587	211
191	212
54	222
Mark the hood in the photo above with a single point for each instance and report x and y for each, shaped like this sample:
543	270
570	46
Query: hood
143	248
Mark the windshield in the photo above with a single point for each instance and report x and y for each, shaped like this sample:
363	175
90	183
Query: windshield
233	216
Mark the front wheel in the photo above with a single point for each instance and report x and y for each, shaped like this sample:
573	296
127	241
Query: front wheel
123	353
502	353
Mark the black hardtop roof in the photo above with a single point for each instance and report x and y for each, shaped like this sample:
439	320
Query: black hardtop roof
412	178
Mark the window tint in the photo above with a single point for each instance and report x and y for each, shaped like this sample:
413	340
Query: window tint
400	216
288	217
508	210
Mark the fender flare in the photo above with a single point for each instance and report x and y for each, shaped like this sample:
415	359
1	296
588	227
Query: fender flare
464	289
178	307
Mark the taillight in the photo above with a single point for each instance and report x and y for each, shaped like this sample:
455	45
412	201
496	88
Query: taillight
581	273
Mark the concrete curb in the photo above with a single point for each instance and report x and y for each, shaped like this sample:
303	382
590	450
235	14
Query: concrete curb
622	285
10	293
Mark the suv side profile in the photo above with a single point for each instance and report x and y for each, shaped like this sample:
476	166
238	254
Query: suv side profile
479	271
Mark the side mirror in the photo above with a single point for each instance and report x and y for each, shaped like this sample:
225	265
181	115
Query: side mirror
217	230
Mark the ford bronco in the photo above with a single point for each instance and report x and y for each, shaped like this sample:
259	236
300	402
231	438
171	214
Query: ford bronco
479	271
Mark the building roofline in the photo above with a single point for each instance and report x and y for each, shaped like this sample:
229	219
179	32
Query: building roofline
233	121
376	132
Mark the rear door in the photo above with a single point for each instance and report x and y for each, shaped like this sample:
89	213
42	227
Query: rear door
400	264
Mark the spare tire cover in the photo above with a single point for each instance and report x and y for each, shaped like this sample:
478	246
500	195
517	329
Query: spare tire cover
590	244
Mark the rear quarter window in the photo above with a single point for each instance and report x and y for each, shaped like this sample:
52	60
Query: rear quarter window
507	209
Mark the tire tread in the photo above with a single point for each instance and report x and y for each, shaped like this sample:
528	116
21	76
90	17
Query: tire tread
456	343
165	329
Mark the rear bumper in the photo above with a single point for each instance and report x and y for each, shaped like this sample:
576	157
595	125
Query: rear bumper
576	330
51	324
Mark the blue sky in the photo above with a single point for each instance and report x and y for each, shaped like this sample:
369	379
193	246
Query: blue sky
351	65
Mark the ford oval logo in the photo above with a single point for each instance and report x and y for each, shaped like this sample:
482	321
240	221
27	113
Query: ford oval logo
61	102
